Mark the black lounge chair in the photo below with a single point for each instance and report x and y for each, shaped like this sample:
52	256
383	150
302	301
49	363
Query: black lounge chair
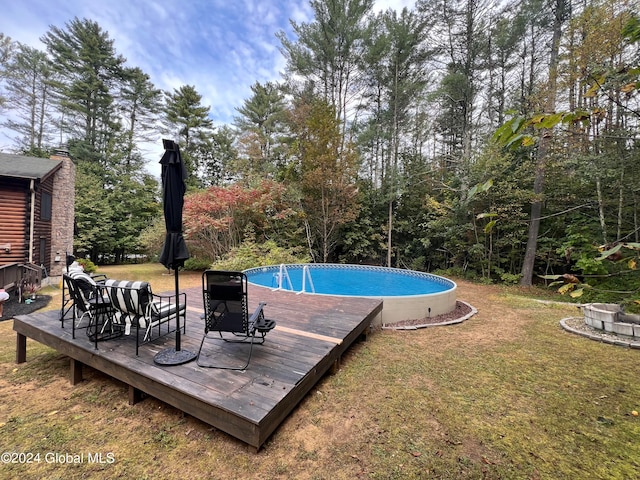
226	312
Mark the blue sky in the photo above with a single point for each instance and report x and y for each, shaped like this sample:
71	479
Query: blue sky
221	47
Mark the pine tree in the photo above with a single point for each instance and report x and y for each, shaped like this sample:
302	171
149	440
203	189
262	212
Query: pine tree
28	86
87	68
260	126
189	121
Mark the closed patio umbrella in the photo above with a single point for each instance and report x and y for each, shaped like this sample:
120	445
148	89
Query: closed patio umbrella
174	251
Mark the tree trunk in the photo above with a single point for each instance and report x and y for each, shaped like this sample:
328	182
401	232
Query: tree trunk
601	217
390	229
620	204
561	8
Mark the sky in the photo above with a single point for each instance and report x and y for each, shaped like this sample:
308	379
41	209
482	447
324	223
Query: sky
221	47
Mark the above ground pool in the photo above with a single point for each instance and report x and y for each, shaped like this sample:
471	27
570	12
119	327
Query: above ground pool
406	294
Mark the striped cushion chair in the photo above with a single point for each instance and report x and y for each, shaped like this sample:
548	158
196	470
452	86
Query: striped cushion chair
136	305
86	300
86	283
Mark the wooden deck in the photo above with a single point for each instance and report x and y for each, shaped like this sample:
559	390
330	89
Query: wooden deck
311	335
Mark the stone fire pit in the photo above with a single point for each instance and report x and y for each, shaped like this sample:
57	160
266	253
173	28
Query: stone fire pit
606	322
610	318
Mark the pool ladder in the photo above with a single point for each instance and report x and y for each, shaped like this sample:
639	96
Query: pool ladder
283	276
306	273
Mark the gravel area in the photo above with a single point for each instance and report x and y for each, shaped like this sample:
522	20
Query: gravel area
578	326
13	308
462	312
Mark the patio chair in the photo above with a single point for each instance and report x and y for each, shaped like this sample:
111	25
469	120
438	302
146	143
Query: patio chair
88	281
151	316
226	313
89	301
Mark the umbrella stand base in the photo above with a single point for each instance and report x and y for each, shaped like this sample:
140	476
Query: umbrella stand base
171	356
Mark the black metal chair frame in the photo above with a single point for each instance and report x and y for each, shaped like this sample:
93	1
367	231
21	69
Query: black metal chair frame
136	303
93	304
67	299
225	299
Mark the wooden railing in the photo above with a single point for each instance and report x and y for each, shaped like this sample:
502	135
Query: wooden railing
21	276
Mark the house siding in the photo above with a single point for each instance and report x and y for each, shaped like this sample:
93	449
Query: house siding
52	235
14	202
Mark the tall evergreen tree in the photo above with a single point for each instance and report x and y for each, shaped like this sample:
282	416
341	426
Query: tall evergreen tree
327	52
461	38
6	51
28	92
139	102
561	9
261	124
87	68
189	121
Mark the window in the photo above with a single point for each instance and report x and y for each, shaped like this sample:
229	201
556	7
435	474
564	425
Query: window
45	206
43	250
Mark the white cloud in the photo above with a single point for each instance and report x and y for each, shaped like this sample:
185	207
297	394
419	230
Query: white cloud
397	5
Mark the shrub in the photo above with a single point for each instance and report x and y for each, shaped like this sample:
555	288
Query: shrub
251	254
510	278
87	265
197	264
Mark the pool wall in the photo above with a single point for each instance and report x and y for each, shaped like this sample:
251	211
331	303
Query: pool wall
395	308
415	307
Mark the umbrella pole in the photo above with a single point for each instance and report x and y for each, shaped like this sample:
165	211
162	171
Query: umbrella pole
175	273
174	250
175	356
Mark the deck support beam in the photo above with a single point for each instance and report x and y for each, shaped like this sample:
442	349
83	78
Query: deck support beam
75	367
135	395
21	348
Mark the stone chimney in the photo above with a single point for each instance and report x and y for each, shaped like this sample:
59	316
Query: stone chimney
62	211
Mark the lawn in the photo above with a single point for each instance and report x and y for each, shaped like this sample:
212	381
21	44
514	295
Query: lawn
507	394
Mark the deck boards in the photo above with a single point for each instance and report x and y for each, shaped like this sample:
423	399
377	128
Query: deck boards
311	335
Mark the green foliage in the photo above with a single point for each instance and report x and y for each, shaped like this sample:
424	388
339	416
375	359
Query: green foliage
28	76
328	165
251	254
189	121
87	265
261	139
87	65
362	240
152	237
510	278
327	51
621	289
590	266
113	207
197	264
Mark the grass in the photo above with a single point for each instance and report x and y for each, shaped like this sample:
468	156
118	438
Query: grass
505	395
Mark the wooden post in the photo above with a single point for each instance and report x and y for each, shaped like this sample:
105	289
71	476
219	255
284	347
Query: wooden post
76	371
135	395
21	348
335	366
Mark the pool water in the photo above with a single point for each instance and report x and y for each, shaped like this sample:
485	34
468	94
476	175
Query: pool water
352	280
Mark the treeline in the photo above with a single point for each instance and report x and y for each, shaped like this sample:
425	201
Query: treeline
498	139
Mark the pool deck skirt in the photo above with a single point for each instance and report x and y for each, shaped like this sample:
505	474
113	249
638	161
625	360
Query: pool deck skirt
311	335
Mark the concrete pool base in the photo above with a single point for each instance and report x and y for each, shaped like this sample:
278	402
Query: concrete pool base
462	312
414	307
